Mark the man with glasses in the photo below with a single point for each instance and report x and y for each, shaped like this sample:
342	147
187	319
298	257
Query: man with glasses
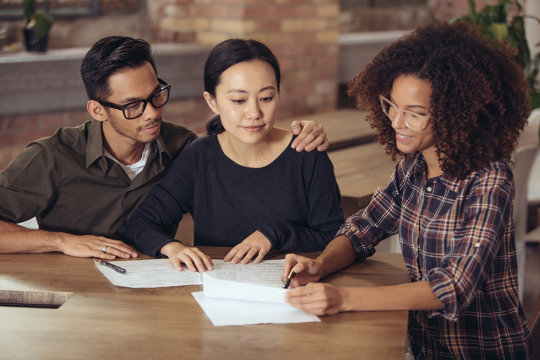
83	183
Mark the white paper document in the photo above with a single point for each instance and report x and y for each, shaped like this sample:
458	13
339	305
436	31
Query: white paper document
214	287
149	274
234	294
266	272
227	302
161	273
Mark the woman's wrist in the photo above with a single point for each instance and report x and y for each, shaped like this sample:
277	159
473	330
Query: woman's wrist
350	299
168	248
319	269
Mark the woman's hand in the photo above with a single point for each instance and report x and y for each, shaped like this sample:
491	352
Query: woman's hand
310	136
253	244
318	299
194	258
307	270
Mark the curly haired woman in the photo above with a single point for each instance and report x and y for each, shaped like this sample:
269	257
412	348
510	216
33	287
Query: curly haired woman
453	104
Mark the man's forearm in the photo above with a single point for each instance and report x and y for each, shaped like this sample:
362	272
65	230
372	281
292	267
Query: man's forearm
18	239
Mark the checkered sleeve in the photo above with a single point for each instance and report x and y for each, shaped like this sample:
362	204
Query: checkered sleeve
380	219
485	223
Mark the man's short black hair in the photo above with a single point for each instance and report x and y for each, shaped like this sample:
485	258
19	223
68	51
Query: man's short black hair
108	56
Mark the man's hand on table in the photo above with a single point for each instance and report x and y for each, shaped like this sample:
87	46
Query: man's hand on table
94	246
17	239
194	258
310	136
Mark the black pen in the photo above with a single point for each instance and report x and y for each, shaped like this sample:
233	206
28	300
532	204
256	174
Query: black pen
289	278
112	266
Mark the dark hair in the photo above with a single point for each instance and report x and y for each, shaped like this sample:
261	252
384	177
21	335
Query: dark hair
226	54
108	56
479	101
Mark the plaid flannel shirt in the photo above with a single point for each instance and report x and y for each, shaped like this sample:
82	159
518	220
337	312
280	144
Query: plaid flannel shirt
458	236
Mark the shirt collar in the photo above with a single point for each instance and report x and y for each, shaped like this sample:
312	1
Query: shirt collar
448	181
162	148
94	145
420	167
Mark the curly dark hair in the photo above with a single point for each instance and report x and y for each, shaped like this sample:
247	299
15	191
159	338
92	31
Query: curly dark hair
479	102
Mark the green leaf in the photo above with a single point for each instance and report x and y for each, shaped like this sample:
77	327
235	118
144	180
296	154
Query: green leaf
519	40
472	11
535	100
44	22
499	31
29	10
531	71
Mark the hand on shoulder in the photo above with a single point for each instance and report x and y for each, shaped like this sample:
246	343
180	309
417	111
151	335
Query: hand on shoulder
310	136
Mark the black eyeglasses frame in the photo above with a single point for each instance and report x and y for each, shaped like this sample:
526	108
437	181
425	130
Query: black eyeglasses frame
149	100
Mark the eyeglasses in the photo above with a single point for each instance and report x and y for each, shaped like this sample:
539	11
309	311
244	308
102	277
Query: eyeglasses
411	119
135	109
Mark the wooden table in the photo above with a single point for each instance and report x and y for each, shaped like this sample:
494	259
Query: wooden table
360	171
101	321
344	127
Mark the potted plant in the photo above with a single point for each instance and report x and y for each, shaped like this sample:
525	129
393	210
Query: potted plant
504	21
38	25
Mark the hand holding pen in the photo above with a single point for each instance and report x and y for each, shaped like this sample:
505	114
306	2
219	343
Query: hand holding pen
299	270
287	282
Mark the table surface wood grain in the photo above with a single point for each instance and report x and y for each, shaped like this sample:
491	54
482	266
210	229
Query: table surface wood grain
360	171
99	320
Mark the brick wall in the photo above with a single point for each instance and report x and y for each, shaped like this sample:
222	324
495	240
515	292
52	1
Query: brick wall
445	10
302	33
193	113
172	20
17	131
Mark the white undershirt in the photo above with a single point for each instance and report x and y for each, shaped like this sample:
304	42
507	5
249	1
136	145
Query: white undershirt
132	170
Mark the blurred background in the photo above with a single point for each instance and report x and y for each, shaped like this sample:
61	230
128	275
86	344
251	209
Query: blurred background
321	45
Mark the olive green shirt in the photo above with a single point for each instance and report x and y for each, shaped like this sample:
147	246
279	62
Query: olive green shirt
70	186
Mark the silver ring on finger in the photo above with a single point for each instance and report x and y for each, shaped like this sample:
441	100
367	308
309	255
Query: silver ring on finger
104	249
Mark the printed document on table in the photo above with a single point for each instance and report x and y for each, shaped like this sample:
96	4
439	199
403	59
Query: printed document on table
161	273
215	286
149	274
265	272
227	302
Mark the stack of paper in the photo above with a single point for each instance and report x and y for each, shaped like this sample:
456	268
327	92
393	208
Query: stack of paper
233	294
228	302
